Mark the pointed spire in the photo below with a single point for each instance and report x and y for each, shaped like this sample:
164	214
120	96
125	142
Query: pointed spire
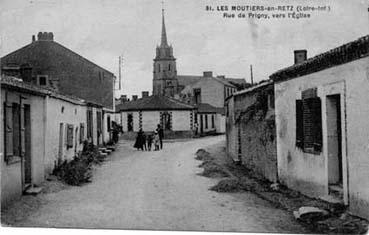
163	31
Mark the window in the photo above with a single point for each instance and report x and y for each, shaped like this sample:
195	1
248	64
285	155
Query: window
169	67
309	124
42	80
81	132
159	67
108	123
197	95
206	121
212	121
89	124
98	122
16	129
70	136
130	122
166	120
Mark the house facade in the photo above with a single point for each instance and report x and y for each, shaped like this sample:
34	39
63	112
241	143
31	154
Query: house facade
48	64
176	118
250	130
208	94
40	129
322	111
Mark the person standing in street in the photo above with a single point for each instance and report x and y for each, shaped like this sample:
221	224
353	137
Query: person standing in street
161	135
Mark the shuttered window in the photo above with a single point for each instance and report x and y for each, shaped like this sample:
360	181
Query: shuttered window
309	125
98	117
70	136
8	130
206	121
89	124
16	129
81	132
299	124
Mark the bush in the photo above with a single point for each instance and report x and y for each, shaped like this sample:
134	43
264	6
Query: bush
78	171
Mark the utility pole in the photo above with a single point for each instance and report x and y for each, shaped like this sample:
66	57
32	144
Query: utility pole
252	76
120	72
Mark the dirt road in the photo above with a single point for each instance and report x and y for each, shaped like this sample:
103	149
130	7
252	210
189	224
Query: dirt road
158	190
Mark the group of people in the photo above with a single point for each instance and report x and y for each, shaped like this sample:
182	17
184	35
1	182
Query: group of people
146	142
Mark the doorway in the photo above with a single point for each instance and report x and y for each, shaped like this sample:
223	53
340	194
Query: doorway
201	124
61	138
27	146
334	144
130	122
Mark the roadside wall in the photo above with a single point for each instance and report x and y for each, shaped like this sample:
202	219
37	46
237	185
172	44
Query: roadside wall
257	134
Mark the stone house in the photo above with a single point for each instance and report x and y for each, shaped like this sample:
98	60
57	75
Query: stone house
250	130
322	110
208	94
146	113
40	129
48	64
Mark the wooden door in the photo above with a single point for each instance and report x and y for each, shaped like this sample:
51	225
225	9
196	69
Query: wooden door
26	144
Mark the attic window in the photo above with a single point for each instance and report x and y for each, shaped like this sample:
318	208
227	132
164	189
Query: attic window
42	80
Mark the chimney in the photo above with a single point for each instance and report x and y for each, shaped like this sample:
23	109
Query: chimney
45	36
134	97
145	94
123	98
208	74
300	56
33	38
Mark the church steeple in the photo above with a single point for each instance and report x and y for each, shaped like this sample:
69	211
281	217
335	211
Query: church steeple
164	42
165	80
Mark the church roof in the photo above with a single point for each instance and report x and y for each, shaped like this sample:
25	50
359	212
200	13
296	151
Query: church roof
153	103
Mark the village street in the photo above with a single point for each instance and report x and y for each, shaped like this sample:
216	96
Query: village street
158	190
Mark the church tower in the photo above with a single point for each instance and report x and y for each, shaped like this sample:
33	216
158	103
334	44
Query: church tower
165	72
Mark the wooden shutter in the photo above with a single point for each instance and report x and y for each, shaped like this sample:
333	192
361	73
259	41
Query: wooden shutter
8	129
16	129
70	136
317	114
81	132
299	124
312	121
22	133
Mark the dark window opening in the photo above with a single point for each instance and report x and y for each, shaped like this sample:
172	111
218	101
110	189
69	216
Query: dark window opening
197	95
70	136
16	129
42	80
212	121
166	120
206	121
130	122
309	125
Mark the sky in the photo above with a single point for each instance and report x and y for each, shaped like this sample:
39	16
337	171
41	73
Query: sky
102	30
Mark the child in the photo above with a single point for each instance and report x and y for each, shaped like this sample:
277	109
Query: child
156	141
149	141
